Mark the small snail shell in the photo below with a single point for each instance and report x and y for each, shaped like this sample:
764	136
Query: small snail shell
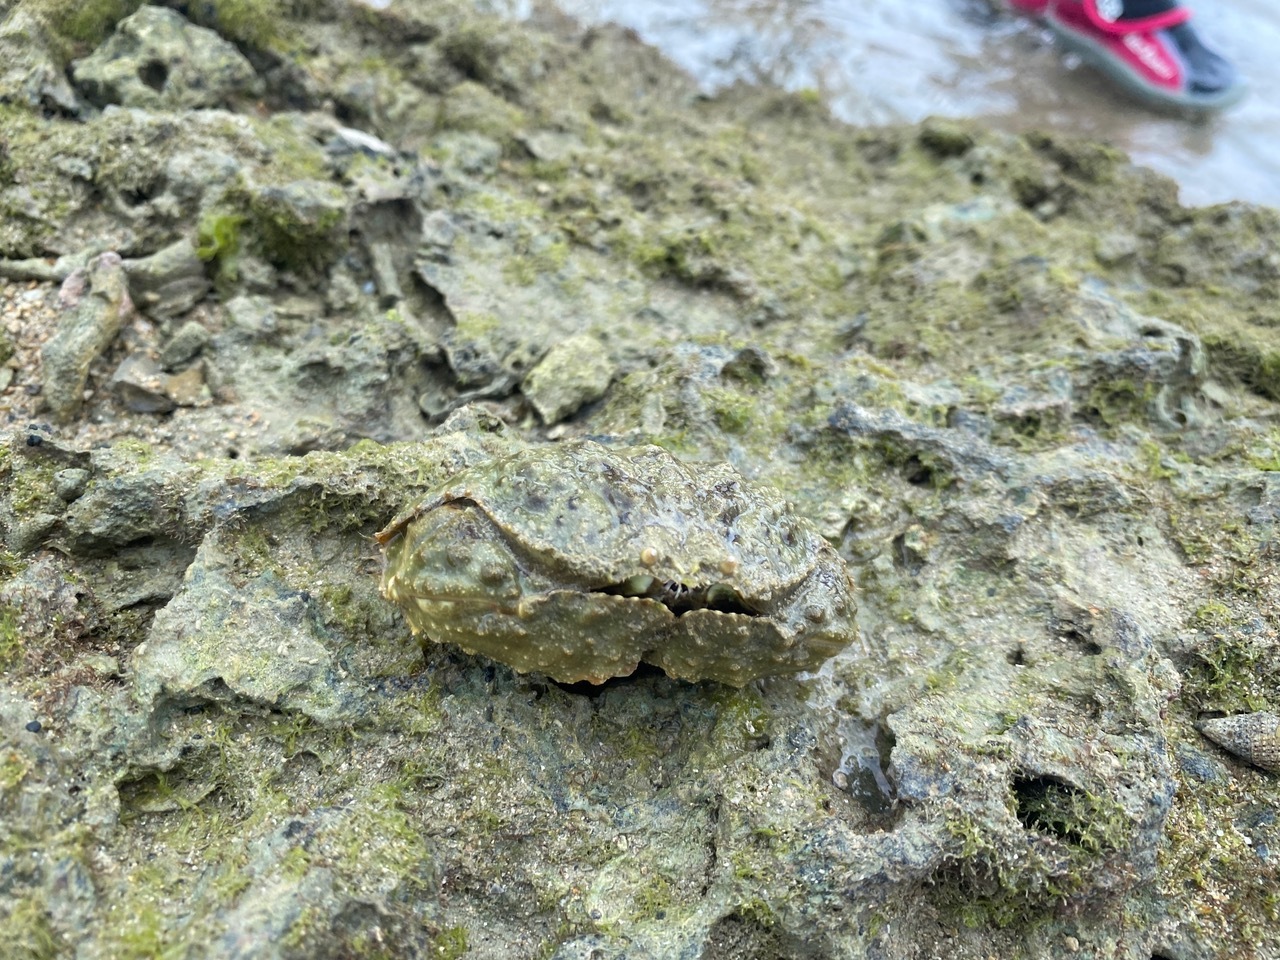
1254	737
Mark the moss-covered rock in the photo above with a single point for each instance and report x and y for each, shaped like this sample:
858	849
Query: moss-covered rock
1026	395
158	61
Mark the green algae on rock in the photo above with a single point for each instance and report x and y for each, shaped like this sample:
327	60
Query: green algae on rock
580	562
157	60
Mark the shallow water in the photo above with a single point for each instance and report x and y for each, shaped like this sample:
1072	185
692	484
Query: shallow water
884	61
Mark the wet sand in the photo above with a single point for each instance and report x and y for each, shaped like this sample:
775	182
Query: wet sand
886	61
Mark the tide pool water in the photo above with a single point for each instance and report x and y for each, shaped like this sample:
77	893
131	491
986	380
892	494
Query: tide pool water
888	61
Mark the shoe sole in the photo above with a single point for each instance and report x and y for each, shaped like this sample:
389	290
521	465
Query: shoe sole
1098	57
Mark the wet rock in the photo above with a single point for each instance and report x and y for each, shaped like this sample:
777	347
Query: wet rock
384	275
1195	763
1159	372
984	436
750	365
1115	248
184	345
438	231
120	510
157	60
169	282
256	641
468	152
923	449
551	145
351	890
45	594
574	373
30	74
98	305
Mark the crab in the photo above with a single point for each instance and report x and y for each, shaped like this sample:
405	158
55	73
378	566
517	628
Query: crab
579	562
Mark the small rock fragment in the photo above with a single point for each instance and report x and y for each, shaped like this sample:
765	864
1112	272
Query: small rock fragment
144	387
438	231
188	388
572	374
255	316
384	274
140	384
169	282
347	141
184	345
1254	737
97	305
945	138
1115	248
473	108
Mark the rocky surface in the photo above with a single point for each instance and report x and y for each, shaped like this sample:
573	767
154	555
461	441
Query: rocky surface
1028	397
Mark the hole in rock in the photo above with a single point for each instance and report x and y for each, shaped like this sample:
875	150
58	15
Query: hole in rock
906	557
917	472
865	749
1052	807
154	74
135	198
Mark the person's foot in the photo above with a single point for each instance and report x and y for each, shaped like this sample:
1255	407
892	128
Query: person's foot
1156	56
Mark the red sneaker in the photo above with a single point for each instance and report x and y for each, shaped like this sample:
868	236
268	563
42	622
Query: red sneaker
1158	58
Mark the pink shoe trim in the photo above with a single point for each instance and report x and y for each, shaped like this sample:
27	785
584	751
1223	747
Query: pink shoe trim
1159	21
1144	56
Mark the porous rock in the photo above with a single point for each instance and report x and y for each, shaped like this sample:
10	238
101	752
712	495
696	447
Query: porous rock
157	60
575	372
30	74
